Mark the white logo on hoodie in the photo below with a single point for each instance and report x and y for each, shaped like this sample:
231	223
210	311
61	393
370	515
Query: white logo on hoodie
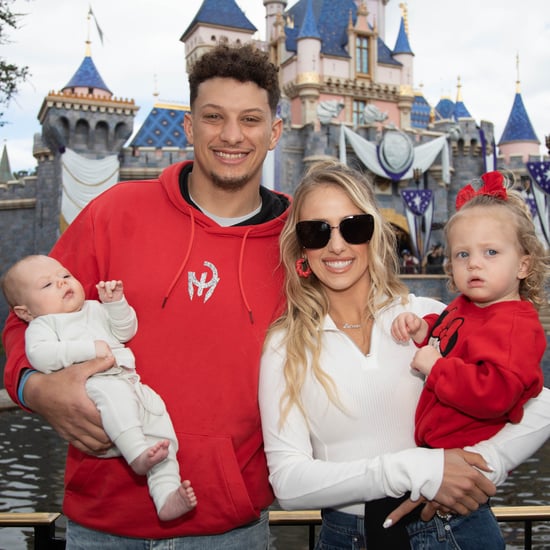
203	284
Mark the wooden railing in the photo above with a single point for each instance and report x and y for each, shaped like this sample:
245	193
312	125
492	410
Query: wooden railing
44	523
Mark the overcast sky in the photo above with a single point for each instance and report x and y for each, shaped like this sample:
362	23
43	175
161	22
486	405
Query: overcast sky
477	40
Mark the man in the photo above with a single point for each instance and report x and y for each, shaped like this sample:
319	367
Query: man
198	252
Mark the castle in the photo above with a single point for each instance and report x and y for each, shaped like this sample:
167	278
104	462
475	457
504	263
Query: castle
346	94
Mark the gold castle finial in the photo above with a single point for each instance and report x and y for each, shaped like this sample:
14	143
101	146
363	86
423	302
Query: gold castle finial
518	90
458	90
405	15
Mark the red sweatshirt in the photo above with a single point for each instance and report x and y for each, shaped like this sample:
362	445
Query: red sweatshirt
490	368
204	296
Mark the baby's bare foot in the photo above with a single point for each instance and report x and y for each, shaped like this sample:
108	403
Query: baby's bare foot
153	455
179	502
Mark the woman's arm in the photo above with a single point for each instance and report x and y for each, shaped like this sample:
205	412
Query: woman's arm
516	442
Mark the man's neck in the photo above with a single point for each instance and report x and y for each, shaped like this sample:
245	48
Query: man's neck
225	203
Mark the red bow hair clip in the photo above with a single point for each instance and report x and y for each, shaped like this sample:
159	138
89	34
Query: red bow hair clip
493	185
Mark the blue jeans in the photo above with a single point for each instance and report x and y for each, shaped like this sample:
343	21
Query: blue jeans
341	531
476	531
254	536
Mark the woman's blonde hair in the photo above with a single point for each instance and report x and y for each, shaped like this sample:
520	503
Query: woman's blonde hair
307	303
532	288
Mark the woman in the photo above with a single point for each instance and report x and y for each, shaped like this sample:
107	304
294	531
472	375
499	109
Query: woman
337	396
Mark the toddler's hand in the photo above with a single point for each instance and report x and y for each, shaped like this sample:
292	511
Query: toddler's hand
424	359
405	326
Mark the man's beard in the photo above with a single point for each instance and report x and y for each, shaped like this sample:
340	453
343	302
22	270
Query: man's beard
230	183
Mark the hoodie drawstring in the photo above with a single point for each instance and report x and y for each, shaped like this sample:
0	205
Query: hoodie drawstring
182	267
241	285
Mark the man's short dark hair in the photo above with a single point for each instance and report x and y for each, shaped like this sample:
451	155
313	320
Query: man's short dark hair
245	63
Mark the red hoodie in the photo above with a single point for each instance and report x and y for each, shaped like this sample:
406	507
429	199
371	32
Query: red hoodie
204	296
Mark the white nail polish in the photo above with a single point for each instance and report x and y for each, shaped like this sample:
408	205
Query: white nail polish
387	523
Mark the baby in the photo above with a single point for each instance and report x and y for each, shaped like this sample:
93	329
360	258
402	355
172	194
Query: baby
65	328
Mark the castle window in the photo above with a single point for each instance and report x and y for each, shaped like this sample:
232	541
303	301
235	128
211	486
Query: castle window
358	108
362	54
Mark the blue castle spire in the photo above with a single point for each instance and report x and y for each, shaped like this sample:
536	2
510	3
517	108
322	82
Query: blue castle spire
309	26
87	76
402	43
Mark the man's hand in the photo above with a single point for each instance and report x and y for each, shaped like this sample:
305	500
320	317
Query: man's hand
462	490
464	487
61	398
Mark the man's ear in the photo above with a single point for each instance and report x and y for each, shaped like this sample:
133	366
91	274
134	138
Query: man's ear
23	313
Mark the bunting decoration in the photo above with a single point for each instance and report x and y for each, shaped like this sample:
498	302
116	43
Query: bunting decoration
540	174
419	209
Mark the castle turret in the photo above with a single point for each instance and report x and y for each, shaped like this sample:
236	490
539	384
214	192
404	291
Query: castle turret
519	138
215	22
85	116
404	54
309	65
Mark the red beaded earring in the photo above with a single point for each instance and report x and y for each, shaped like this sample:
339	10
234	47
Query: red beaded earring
302	268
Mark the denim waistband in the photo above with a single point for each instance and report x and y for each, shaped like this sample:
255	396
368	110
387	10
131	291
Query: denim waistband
341	518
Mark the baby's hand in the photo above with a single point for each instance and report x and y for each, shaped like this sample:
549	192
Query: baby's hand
406	325
102	349
424	359
110	291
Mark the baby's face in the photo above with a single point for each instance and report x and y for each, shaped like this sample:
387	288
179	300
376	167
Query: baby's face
47	287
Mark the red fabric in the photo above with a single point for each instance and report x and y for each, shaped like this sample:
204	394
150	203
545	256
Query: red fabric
490	369
200	353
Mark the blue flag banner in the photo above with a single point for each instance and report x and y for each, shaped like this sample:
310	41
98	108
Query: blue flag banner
540	172
532	206
417	200
419	212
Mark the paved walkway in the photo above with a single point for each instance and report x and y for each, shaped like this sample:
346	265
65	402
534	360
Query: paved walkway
5	402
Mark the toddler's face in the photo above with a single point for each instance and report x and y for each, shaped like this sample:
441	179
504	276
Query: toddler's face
486	260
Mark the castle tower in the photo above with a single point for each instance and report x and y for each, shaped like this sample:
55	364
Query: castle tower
308	80
85	116
403	53
519	138
215	22
86	123
274	10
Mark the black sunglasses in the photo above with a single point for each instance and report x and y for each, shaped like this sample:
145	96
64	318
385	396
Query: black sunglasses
356	229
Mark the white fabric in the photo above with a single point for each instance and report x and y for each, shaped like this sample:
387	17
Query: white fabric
59	340
83	179
424	155
341	460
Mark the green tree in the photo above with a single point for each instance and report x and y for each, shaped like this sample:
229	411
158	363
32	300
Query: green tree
11	75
